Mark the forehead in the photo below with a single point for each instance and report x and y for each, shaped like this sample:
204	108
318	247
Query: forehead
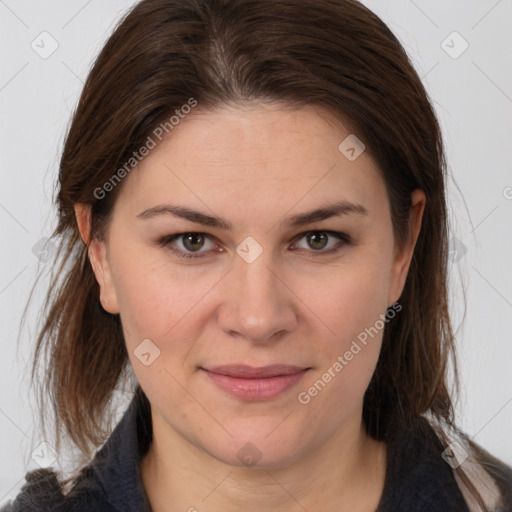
253	156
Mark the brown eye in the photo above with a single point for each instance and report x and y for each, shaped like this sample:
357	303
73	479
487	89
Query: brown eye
317	239
192	241
320	243
190	244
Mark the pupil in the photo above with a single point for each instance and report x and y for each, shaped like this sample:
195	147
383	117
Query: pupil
317	240
193	241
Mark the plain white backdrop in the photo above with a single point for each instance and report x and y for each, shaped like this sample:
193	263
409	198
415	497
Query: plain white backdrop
461	49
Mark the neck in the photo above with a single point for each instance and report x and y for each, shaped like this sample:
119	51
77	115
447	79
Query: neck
345	473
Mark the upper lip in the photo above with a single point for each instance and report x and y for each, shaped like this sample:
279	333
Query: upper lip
251	372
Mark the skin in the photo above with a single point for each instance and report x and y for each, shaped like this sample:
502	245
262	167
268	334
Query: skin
254	166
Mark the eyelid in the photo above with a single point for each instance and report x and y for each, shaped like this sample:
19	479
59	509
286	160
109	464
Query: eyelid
344	240
167	240
337	234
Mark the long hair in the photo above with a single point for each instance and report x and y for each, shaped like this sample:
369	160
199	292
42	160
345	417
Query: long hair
337	55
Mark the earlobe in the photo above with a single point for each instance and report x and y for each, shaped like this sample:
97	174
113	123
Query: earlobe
403	256
97	254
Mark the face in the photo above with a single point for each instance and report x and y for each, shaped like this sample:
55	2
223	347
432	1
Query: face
262	324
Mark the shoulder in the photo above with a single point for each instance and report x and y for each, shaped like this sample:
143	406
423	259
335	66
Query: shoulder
417	477
42	492
426	472
490	476
110	482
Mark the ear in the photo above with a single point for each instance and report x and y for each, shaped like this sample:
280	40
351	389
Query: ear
97	252
403	256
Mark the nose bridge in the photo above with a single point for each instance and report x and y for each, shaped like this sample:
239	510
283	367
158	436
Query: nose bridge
256	280
261	306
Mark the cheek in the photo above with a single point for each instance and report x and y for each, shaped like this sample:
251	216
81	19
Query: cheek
348	300
159	304
346	359
155	297
352	309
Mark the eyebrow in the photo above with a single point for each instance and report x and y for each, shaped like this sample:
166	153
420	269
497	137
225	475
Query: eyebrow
325	212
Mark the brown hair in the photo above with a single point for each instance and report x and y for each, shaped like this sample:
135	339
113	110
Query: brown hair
337	55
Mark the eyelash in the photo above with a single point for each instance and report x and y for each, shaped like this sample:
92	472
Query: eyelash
166	242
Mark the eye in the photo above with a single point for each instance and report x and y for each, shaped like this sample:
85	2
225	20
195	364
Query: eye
188	244
321	242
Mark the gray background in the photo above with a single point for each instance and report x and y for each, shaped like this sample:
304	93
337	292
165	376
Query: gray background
472	93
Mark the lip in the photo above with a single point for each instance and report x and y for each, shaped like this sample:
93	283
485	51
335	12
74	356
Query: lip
255	383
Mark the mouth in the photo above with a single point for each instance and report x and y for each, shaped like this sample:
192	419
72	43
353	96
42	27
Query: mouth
250	383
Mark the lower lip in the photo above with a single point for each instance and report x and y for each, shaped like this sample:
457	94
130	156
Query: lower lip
255	389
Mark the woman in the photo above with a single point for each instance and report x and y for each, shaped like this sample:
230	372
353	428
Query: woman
253	221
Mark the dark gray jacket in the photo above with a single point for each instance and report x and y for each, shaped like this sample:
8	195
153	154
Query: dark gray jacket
417	479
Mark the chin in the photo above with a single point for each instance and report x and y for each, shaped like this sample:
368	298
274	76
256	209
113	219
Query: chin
260	447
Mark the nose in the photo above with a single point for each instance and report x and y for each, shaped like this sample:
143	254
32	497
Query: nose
258	305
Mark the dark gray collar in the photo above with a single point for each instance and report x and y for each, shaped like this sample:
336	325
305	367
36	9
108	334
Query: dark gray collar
117	464
417	477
